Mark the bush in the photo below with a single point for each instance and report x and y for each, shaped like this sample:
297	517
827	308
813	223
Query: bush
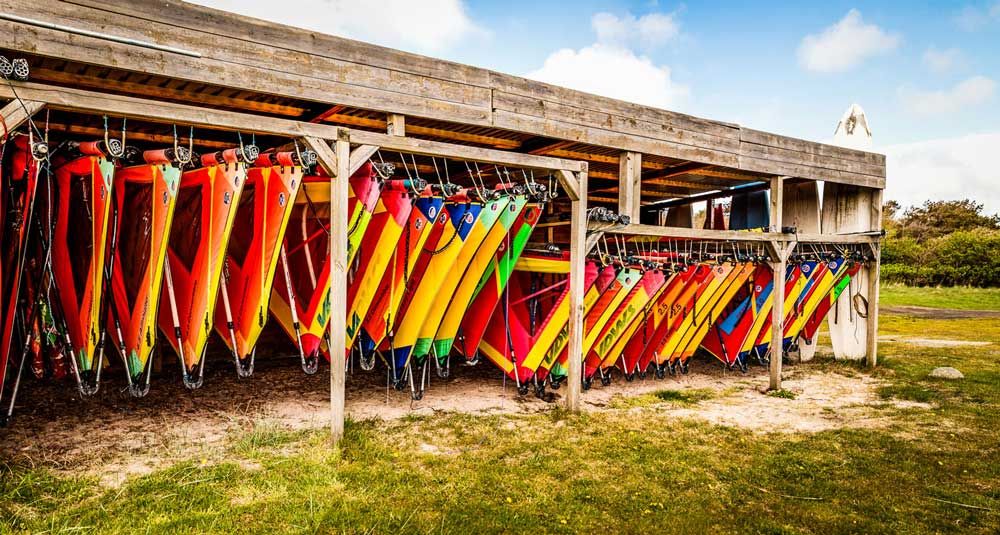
962	258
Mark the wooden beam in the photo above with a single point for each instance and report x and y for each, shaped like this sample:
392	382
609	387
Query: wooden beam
593	238
17	112
338	288
777	203
332	110
778	264
874	272
570	184
266	58
732	235
82	100
577	262
545	148
326	157
678	170
630	184
427	147
359	156
395	124
417	130
98	132
160	92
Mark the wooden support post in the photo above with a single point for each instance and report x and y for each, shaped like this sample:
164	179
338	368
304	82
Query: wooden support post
577	259
778	263
874	271
15	113
630	185
395	124
336	163
777	203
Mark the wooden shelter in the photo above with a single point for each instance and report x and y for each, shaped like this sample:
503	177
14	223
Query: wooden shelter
165	62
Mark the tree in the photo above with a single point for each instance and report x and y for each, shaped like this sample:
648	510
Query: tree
940	218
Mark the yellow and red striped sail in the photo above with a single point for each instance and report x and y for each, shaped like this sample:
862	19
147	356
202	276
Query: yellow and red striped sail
254	249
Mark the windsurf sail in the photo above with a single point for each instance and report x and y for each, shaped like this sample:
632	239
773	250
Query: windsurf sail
262	217
145	196
207	199
307	263
81	192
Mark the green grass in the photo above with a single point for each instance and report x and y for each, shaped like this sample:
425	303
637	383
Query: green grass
783	394
613	471
958	298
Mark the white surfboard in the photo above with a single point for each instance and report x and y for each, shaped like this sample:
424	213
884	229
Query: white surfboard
848	209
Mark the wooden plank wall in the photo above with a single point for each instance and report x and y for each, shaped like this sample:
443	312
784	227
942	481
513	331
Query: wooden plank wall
260	56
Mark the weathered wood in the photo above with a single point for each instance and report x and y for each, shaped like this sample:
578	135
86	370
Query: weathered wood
764	165
596	135
418	130
359	156
577	259
871	353
813	160
395	124
777	203
777	316
569	183
338	288
874	271
749	135
269	59
630	184
593	238
447	150
237	63
166	112
17	112
731	235
160	92
98	132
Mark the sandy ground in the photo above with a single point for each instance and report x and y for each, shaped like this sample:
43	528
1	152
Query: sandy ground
115	437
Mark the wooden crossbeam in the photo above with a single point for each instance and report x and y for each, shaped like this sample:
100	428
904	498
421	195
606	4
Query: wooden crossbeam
156	91
734	235
333	110
141	136
417	130
17	112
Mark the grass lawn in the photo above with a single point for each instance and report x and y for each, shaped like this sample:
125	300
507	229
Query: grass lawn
625	469
957	298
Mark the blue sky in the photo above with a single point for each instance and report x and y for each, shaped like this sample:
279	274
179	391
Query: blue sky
926	74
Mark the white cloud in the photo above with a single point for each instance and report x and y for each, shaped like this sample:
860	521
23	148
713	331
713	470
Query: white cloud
615	72
427	26
611	68
970	92
942	61
945	169
649	31
975	18
845	45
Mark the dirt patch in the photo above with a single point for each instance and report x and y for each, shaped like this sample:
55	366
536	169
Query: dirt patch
939	313
113	437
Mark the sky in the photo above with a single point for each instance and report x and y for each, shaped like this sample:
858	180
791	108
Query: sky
926	74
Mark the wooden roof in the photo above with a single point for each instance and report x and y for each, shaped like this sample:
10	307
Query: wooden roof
253	66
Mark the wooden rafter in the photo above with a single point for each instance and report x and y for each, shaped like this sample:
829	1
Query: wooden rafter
381	124
156	91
